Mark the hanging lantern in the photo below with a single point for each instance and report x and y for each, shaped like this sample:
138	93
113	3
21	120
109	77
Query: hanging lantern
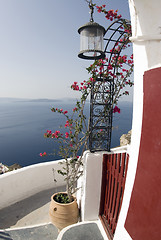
91	41
91	38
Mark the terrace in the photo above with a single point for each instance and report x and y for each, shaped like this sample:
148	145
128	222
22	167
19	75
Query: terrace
25	199
139	217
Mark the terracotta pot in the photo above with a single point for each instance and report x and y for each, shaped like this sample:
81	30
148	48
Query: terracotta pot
63	214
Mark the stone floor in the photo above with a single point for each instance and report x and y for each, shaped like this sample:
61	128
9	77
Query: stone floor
29	220
45	232
28	212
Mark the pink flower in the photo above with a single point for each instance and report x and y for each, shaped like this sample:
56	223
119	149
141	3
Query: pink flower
57	132
65	112
49	131
116	109
53	135
110	67
99	8
75	109
61	110
91	79
67	124
66	135
43	154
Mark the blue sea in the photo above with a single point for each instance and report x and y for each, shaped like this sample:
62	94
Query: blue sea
24	122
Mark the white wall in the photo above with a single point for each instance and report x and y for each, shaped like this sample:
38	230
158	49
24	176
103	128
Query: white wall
146	37
25	182
91	189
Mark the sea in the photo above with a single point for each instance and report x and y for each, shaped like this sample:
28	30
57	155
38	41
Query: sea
23	123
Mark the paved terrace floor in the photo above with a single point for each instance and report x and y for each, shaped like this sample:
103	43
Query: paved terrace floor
27	213
29	220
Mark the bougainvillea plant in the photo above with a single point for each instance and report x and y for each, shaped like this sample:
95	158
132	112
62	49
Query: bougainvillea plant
76	135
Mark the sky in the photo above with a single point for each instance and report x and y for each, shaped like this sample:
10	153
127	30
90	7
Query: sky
39	46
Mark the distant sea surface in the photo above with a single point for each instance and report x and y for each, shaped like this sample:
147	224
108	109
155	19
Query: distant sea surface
24	122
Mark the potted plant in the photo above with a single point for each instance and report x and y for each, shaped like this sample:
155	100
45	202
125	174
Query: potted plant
74	141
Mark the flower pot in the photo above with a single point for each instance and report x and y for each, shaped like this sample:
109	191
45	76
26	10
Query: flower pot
63	214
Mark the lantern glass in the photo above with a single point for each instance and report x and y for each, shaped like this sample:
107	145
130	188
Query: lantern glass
91	41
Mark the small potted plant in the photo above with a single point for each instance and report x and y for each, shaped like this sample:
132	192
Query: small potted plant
63	208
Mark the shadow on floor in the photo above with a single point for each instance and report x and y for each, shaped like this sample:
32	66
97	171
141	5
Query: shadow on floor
46	232
9	216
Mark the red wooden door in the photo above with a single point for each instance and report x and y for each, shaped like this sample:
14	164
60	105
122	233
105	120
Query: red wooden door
113	184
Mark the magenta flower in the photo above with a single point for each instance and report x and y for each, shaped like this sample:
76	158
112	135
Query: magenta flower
49	131
110	67
43	154
75	109
57	132
116	109
66	135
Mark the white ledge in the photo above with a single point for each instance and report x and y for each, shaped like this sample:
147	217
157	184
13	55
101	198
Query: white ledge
143	38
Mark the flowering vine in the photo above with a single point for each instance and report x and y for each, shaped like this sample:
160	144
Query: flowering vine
117	71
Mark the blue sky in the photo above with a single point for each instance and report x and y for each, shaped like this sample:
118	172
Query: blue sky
39	44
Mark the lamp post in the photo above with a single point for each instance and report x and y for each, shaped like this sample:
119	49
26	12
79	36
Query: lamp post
92	37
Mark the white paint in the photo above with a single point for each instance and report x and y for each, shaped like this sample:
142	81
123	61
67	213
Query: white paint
91	189
24	182
146	23
145	38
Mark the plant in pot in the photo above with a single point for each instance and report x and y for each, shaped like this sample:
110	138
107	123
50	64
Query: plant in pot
73	139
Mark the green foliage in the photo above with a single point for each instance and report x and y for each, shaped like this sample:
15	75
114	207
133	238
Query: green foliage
62	198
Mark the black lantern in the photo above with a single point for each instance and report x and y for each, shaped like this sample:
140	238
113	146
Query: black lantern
91	39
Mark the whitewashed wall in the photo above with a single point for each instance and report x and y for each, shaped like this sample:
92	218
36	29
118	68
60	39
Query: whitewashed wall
25	182
91	186
146	38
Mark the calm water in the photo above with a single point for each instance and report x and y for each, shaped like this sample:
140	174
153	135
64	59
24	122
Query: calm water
23	123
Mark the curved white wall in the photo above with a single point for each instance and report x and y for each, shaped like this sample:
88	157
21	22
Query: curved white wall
24	182
146	37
